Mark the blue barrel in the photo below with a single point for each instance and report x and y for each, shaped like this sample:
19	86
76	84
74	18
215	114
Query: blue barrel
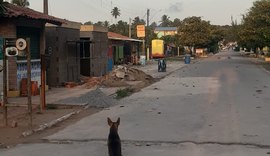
187	59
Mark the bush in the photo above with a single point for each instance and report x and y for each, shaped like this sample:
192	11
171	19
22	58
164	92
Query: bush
121	93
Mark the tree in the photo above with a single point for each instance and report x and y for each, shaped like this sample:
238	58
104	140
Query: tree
115	12
153	25
217	34
106	24
103	24
165	21
254	32
194	32
121	27
22	3
88	23
176	22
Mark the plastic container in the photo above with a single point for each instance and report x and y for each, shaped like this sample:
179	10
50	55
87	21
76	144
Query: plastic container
142	60
187	59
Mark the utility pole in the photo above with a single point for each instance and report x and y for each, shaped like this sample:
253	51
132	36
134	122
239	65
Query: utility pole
129	28
29	92
146	38
45	7
5	84
148	15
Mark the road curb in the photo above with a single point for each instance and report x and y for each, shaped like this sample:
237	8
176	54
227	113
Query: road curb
52	123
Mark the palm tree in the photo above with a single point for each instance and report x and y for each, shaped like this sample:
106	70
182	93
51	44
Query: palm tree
106	24
115	12
165	21
22	3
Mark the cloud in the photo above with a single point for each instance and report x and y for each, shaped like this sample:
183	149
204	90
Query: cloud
175	8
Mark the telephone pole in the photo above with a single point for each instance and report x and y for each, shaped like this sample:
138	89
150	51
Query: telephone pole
148	15
129	28
45	7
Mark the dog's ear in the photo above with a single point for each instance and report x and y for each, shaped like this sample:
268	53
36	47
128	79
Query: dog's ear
118	121
109	121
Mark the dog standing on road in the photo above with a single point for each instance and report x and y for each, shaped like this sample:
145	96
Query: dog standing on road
114	142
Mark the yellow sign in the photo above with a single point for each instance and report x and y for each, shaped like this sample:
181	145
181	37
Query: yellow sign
140	31
157	48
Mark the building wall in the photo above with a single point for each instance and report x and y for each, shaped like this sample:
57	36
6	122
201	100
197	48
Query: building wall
98	59
64	60
8	30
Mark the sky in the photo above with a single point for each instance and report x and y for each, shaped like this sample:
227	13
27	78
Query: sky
218	12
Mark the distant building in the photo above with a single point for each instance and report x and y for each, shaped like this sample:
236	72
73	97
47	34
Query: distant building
164	31
123	49
93	50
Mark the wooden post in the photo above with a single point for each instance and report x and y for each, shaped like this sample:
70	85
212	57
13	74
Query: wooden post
143	51
43	72
29	93
5	84
43	69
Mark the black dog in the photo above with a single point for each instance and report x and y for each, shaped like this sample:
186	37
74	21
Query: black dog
114	142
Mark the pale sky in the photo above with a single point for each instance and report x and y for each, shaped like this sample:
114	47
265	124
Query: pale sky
216	11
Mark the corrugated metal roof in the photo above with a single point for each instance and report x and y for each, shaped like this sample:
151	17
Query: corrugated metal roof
166	29
115	36
13	11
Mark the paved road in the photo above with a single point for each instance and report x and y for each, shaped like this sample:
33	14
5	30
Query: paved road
218	106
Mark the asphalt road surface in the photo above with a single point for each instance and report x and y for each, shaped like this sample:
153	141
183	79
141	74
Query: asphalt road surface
219	106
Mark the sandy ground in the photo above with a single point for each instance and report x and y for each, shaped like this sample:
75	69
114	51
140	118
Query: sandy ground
12	136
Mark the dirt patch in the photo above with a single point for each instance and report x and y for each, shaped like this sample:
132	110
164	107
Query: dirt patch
12	136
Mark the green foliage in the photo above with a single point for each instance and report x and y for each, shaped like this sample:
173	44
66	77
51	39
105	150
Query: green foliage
88	23
22	3
176	22
254	31
165	21
115	12
103	24
121	27
194	32
168	39
121	93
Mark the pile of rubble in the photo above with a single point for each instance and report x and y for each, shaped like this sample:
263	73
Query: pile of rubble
122	75
119	77
91	82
